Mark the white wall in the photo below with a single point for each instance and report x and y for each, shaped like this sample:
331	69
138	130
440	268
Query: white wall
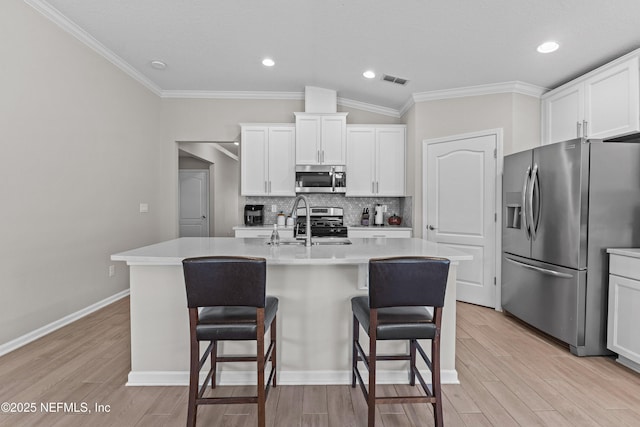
219	120
78	142
83	144
518	116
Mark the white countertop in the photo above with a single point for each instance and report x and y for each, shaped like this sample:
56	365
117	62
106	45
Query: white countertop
290	227
380	227
262	227
172	252
630	252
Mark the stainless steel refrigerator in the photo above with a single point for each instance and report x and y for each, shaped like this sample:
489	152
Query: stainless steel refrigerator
563	205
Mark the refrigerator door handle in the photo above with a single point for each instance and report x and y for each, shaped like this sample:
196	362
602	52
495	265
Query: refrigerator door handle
533	179
523	210
540	270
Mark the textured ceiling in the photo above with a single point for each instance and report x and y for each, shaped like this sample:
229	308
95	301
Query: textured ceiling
436	45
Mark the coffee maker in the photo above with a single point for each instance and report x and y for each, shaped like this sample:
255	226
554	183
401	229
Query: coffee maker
253	215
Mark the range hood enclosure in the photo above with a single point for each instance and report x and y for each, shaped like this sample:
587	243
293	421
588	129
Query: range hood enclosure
320	100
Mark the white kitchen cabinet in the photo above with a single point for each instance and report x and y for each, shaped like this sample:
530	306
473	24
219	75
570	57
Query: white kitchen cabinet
391	232
321	138
267	160
376	160
624	306
262	232
602	104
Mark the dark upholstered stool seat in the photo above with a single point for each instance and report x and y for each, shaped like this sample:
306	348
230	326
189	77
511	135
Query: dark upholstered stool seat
396	323
405	301
233	323
227	301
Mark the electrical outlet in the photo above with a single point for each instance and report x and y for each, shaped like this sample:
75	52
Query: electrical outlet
273	208
384	208
144	207
112	270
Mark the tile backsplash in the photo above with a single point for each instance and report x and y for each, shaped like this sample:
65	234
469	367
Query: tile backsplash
353	206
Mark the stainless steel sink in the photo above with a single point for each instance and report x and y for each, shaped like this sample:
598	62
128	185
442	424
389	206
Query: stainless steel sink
316	241
330	241
286	242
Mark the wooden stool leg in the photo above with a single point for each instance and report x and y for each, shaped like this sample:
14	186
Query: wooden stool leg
435	381
412	364
214	363
273	352
260	360
354	350
371	403
194	371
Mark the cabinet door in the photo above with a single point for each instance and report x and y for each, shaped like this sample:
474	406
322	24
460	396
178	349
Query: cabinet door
624	316
282	172
612	101
308	140
253	160
333	136
390	164
562	114
360	161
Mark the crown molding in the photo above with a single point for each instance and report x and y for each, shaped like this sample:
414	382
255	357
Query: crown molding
490	89
63	22
201	94
222	94
407	106
350	103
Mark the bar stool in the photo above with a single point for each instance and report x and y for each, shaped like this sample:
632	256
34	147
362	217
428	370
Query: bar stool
400	290
227	302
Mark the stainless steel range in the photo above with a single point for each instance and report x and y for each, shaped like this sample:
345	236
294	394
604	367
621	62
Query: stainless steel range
325	222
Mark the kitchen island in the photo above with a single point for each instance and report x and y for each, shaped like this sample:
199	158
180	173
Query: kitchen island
314	285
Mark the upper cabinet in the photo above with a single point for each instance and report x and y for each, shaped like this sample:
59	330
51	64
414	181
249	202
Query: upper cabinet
604	103
321	138
267	160
376	160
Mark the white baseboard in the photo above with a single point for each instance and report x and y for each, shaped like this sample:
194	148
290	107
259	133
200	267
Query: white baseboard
181	378
628	363
47	329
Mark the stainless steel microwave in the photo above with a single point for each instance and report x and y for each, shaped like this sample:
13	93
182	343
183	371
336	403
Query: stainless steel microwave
321	179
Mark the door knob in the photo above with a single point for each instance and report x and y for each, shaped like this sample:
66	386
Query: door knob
204	217
431	227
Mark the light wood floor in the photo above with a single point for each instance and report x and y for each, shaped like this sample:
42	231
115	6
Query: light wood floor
509	375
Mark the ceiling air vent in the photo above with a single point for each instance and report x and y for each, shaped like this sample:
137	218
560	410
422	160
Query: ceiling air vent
394	79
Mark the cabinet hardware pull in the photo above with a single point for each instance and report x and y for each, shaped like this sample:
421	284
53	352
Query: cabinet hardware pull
585	128
579	130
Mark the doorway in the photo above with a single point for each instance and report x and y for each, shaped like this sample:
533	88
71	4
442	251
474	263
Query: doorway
461	188
194	203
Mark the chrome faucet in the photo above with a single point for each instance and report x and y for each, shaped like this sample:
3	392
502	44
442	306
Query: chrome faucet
307	236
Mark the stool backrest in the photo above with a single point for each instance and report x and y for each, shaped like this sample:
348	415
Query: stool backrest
407	281
225	280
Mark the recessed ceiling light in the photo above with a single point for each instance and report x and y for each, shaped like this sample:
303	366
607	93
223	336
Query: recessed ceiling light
158	65
548	47
268	62
369	74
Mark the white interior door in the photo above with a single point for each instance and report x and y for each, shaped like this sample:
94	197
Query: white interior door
460	178
194	203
